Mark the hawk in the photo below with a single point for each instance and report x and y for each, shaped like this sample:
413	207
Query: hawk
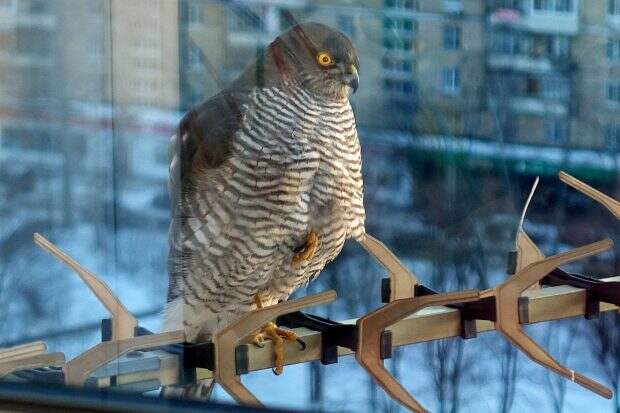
265	183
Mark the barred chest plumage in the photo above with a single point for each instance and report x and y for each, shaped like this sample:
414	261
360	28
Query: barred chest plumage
306	159
295	167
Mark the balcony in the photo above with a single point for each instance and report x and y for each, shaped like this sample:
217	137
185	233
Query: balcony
396	74
533	105
250	38
399	12
452	6
529	63
538	21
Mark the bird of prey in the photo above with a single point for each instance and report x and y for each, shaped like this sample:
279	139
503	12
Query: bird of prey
265	183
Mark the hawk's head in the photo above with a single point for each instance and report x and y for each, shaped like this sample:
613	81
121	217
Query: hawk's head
320	59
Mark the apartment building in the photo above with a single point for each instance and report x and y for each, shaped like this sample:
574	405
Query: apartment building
144	52
26	50
219	39
532	71
597	81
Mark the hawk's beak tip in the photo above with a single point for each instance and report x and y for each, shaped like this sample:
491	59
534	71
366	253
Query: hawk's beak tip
352	79
354	83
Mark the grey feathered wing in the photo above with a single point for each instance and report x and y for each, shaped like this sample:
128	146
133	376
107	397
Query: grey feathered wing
203	142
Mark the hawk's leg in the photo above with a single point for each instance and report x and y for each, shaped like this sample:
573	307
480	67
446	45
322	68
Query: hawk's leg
307	250
277	335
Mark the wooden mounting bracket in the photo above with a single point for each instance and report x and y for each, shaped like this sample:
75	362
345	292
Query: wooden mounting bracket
123	322
507	307
370	330
27	356
79	369
402	281
608	202
225	342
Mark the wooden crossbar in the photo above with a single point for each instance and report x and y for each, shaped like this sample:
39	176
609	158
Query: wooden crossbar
545	304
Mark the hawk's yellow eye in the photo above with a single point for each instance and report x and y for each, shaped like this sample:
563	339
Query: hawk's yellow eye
324	59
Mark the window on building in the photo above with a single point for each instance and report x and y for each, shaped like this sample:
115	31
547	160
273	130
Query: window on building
398	87
406	25
613	50
613	92
451	37
403	4
532	86
244	20
194	13
556	131
451	79
611	136
505	42
559	46
554	5
194	56
614	7
397	64
556	88
397	43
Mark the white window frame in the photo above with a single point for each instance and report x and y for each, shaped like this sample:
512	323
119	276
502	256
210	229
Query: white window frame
556	130
555	88
560	46
553	6
451	37
612	50
612	92
194	13
451	80
193	56
611	136
407	5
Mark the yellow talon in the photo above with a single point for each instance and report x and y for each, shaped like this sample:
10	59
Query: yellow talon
308	250
277	336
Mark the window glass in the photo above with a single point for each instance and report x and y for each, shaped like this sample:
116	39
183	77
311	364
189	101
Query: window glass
460	105
451	37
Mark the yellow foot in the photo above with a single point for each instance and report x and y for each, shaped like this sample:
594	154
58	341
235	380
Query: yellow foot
277	335
308	250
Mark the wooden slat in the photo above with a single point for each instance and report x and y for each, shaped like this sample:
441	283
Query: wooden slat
22	351
545	304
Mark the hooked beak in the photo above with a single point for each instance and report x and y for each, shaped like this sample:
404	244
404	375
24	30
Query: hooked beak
351	78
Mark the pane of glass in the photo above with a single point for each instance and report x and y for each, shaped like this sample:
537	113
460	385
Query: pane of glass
458	110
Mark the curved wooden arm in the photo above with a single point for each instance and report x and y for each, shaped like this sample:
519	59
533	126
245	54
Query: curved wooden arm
608	202
225	341
123	322
371	326
507	314
80	368
22	351
30	362
402	281
527	251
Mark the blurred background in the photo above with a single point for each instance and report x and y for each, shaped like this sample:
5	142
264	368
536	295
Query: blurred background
461	105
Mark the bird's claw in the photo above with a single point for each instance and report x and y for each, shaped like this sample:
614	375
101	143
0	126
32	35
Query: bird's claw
277	336
307	251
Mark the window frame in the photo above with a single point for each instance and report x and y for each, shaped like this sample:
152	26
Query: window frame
451	37
451	80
